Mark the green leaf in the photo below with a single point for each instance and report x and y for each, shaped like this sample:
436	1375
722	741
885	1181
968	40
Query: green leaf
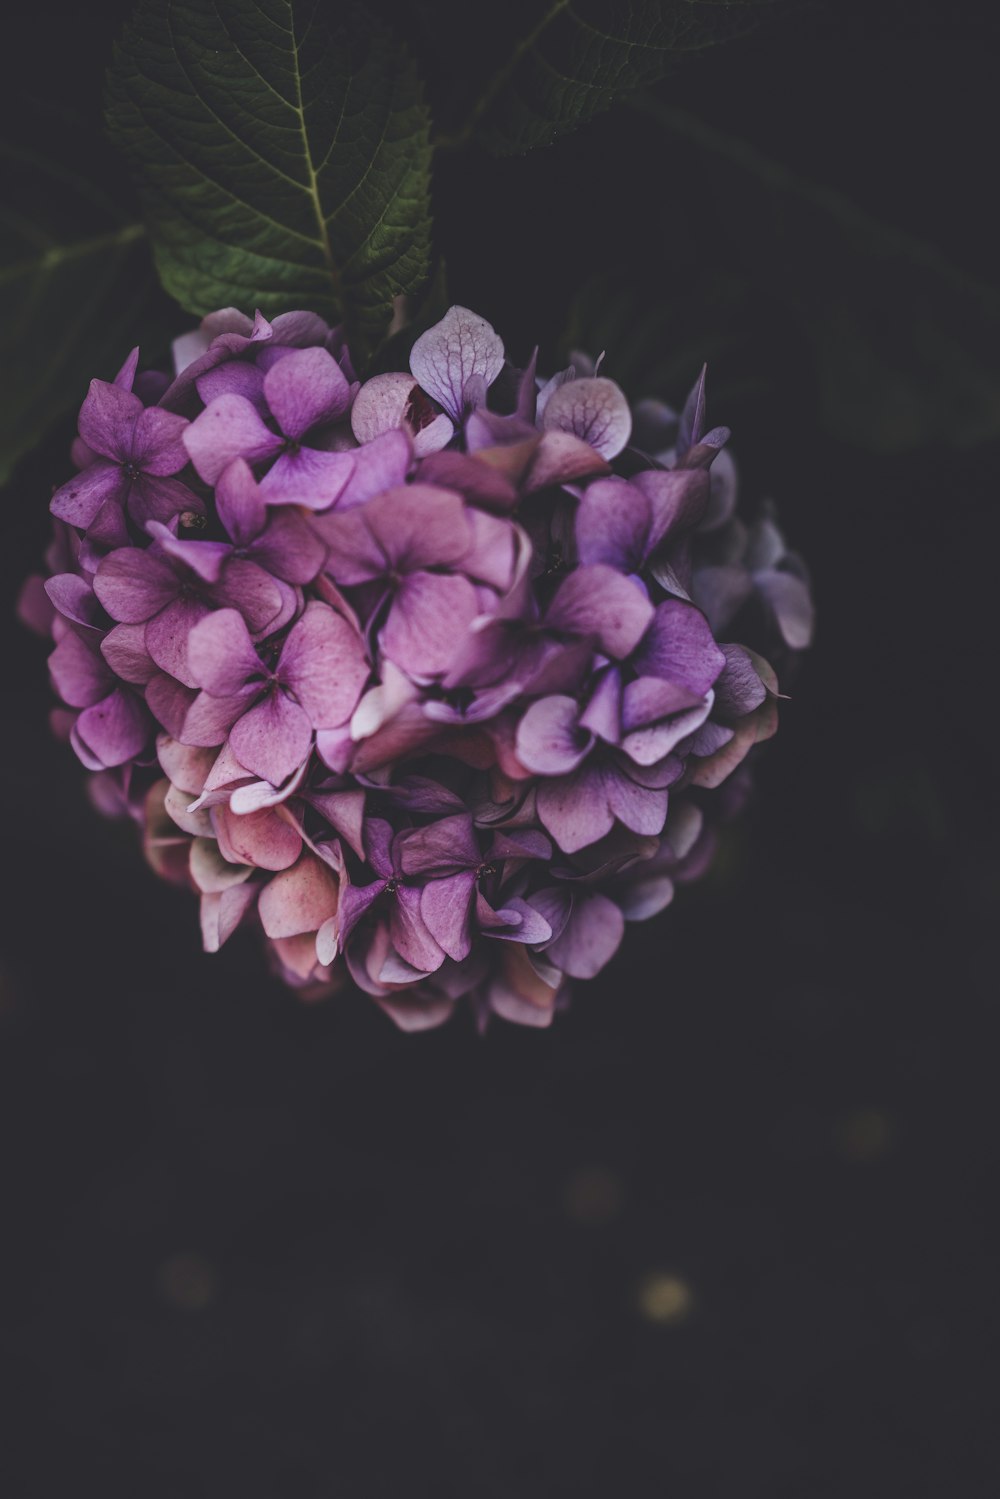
75	278
577	57
903	343
283	162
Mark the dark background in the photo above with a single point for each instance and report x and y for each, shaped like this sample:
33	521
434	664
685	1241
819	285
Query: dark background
725	1229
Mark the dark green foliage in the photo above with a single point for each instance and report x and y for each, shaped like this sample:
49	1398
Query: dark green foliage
75	275
282	161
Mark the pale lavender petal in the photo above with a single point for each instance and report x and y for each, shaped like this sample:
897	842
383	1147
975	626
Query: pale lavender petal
603	714
79	500
643	809
651	743
596	410
107	419
739	690
229	428
437	434
550	741
133	585
598	601
273	738
307	476
446	357
324	666
221	654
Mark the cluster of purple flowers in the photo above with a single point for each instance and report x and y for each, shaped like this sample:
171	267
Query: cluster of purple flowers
432	678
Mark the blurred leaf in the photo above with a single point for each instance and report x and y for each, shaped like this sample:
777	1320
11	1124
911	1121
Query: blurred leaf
574	59
283	162
904	344
75	275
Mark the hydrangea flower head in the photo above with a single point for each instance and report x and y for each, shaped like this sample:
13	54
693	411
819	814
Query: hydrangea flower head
438	680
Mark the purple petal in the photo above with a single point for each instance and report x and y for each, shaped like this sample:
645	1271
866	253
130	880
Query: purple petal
229	428
720	592
167	636
80	499
221	655
643	809
590	938
75	599
595	409
124	649
289	548
409	934
692	419
574	809
679	647
202	722
442	847
791	604
381	464
677	497
307	477
739	690
157	446
306	389
598	601
419	526
248	588
203	558
79	673
234	378
133	585
115	730
273	738
107	419
473	475
324	666
447	356
429	616
152	499
446	907
559	458
550	741
239	503
613	525
169	702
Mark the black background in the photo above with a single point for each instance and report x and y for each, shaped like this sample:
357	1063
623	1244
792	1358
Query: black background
260	1248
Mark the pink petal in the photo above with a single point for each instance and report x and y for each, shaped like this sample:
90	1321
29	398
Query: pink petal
80	499
601	602
299	899
167	637
263	839
133	585
115	730
79	672
428	619
221	655
549	739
